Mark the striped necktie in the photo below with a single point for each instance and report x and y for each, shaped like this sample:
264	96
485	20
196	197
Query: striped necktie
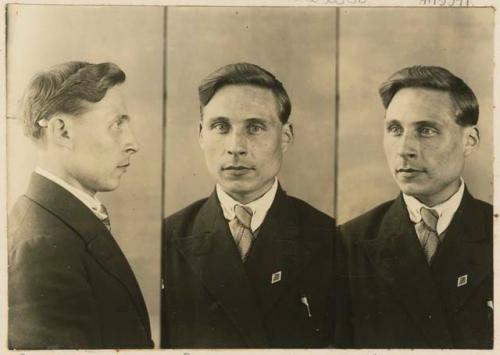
240	227
427	233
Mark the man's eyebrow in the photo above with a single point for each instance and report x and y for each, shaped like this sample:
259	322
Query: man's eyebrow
216	119
257	120
392	121
124	117
428	123
416	123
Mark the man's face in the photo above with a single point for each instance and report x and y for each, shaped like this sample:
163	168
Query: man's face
243	140
424	146
102	143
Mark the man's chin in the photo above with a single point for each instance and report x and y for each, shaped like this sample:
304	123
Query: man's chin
235	187
411	189
108	187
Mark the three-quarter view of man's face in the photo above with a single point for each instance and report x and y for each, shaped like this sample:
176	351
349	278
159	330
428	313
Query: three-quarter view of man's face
243	140
102	143
424	145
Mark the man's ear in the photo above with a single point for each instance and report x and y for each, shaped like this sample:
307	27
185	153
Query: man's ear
286	136
60	128
471	139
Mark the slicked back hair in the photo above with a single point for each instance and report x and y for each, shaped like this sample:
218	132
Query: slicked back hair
437	78
245	74
65	88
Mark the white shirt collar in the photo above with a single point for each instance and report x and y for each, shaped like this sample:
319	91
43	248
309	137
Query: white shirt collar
446	210
259	207
91	202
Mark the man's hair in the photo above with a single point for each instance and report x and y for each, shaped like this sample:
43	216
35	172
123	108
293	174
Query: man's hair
245	74
65	88
437	78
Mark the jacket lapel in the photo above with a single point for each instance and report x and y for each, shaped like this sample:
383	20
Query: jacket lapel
278	250
398	258
466	250
100	243
109	255
212	255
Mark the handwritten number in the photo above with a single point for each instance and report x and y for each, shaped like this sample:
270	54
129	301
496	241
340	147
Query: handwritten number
449	3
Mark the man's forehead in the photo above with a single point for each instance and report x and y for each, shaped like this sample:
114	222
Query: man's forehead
242	100
421	104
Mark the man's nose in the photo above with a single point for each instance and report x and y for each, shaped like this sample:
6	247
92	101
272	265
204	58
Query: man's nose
131	145
408	145
236	143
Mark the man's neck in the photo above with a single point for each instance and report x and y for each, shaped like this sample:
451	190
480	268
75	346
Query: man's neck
442	196
445	210
245	199
62	174
259	206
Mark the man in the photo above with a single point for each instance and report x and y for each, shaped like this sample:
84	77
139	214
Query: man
249	266
70	285
417	272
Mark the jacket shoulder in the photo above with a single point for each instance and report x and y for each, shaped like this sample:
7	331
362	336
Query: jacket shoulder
307	213
485	208
184	218
364	225
28	222
485	212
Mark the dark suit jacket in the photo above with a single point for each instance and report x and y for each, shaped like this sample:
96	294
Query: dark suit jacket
390	297
70	285
212	299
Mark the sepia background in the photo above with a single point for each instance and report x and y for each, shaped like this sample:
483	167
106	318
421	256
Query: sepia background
132	37
298	46
376	42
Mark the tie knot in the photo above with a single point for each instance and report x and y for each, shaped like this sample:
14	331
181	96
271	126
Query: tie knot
104	216
430	218
244	215
103	210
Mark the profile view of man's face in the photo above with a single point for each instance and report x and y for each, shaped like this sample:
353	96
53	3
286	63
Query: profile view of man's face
243	140
102	144
424	145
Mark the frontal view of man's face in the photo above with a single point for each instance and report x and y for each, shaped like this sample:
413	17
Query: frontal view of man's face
102	143
424	145
243	140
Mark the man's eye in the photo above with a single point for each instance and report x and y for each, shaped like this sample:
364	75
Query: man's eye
220	127
394	130
255	128
428	131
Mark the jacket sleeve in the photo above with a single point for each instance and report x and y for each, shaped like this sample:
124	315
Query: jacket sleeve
50	299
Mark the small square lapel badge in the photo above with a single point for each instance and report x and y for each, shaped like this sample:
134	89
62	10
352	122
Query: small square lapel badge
462	280
276	277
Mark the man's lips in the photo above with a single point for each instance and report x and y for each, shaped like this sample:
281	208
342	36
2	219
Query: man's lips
409	170
237	167
237	170
409	173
